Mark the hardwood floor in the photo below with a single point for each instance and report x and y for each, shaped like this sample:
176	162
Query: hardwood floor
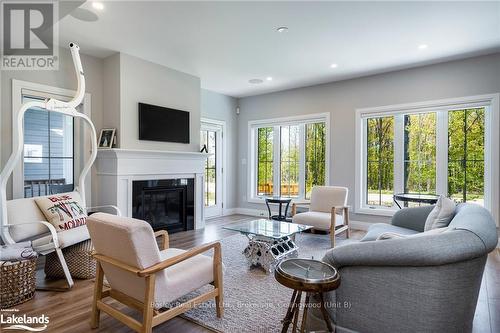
70	311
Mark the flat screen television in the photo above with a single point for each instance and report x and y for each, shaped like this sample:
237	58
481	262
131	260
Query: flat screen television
158	123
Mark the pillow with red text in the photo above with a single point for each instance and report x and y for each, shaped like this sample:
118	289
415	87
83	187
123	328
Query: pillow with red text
64	211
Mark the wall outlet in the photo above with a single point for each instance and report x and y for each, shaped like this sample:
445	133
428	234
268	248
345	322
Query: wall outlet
243	161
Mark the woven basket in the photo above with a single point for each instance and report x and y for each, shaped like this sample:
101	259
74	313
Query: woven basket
79	259
17	282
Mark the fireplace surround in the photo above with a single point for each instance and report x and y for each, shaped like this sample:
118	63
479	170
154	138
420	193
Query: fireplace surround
179	175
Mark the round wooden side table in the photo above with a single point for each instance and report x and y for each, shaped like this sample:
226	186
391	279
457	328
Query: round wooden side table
306	276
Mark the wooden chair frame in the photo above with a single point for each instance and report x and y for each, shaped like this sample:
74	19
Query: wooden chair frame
334	229
150	316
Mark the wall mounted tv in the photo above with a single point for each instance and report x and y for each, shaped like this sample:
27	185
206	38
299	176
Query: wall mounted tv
158	123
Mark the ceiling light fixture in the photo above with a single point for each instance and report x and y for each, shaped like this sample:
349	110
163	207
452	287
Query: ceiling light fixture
334	65
97	5
269	78
423	46
282	29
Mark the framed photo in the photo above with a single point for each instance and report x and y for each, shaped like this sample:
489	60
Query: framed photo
106	138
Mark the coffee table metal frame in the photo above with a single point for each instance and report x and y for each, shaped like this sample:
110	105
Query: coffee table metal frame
267	251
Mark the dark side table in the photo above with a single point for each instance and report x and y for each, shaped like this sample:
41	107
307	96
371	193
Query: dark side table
430	199
280	201
310	277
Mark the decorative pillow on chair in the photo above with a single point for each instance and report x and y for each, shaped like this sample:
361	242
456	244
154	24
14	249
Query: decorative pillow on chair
63	211
441	215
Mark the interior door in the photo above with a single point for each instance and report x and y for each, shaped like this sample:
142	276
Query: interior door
211	138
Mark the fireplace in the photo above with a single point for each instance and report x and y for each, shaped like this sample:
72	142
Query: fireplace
166	204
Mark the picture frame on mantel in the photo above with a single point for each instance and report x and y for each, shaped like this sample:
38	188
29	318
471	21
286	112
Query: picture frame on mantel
106	138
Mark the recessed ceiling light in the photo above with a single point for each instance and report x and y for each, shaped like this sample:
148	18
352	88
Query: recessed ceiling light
255	81
282	29
334	65
423	46
269	78
97	5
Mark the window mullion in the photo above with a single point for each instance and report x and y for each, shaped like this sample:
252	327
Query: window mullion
442	153
398	153
302	161
277	160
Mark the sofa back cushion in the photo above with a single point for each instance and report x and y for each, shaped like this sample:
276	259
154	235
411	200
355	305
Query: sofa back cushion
64	211
323	198
23	211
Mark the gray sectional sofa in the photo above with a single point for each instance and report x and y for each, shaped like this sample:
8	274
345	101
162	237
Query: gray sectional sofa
428	283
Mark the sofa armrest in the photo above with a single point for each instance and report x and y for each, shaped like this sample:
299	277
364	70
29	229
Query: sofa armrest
430	250
49	226
412	218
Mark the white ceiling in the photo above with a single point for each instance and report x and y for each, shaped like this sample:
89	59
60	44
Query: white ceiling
228	43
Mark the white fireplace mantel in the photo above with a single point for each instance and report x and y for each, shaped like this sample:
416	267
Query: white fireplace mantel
118	168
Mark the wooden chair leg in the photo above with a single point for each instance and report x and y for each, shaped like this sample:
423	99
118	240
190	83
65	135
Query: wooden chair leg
218	282
346	222
147	314
94	321
65	268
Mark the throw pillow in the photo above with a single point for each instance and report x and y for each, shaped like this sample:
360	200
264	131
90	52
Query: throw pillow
441	215
63	211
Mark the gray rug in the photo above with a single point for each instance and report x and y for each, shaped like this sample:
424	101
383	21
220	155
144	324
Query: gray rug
253	300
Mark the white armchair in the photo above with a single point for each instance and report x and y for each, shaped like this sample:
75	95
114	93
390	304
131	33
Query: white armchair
146	278
328	211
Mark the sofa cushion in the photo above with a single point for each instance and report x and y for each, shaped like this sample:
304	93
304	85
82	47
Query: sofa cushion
66	238
63	211
377	229
441	215
184	277
319	220
23	211
393	235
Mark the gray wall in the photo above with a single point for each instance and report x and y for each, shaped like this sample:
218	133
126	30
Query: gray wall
62	78
479	75
144	81
220	107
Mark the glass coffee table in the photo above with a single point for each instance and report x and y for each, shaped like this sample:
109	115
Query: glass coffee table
269	241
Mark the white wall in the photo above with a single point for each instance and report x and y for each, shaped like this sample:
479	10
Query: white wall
221	107
62	78
474	76
144	81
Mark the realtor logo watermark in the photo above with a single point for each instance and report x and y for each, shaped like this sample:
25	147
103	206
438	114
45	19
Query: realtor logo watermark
29	34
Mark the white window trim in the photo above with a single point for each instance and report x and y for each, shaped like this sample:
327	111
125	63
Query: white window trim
20	88
441	107
274	122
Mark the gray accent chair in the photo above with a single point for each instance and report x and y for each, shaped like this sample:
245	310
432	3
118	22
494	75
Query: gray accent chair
426	284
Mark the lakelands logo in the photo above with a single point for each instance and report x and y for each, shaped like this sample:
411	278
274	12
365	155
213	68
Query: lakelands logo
29	34
24	322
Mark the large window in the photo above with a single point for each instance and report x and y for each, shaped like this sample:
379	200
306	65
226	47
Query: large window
430	149
48	152
289	157
380	161
466	155
265	157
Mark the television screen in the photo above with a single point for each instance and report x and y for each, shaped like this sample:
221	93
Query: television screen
158	123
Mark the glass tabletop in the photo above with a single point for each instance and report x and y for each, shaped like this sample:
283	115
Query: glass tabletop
308	270
268	228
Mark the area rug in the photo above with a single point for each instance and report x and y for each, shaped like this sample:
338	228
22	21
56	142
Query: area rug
253	300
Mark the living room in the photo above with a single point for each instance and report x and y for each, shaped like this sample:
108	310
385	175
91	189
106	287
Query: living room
201	166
